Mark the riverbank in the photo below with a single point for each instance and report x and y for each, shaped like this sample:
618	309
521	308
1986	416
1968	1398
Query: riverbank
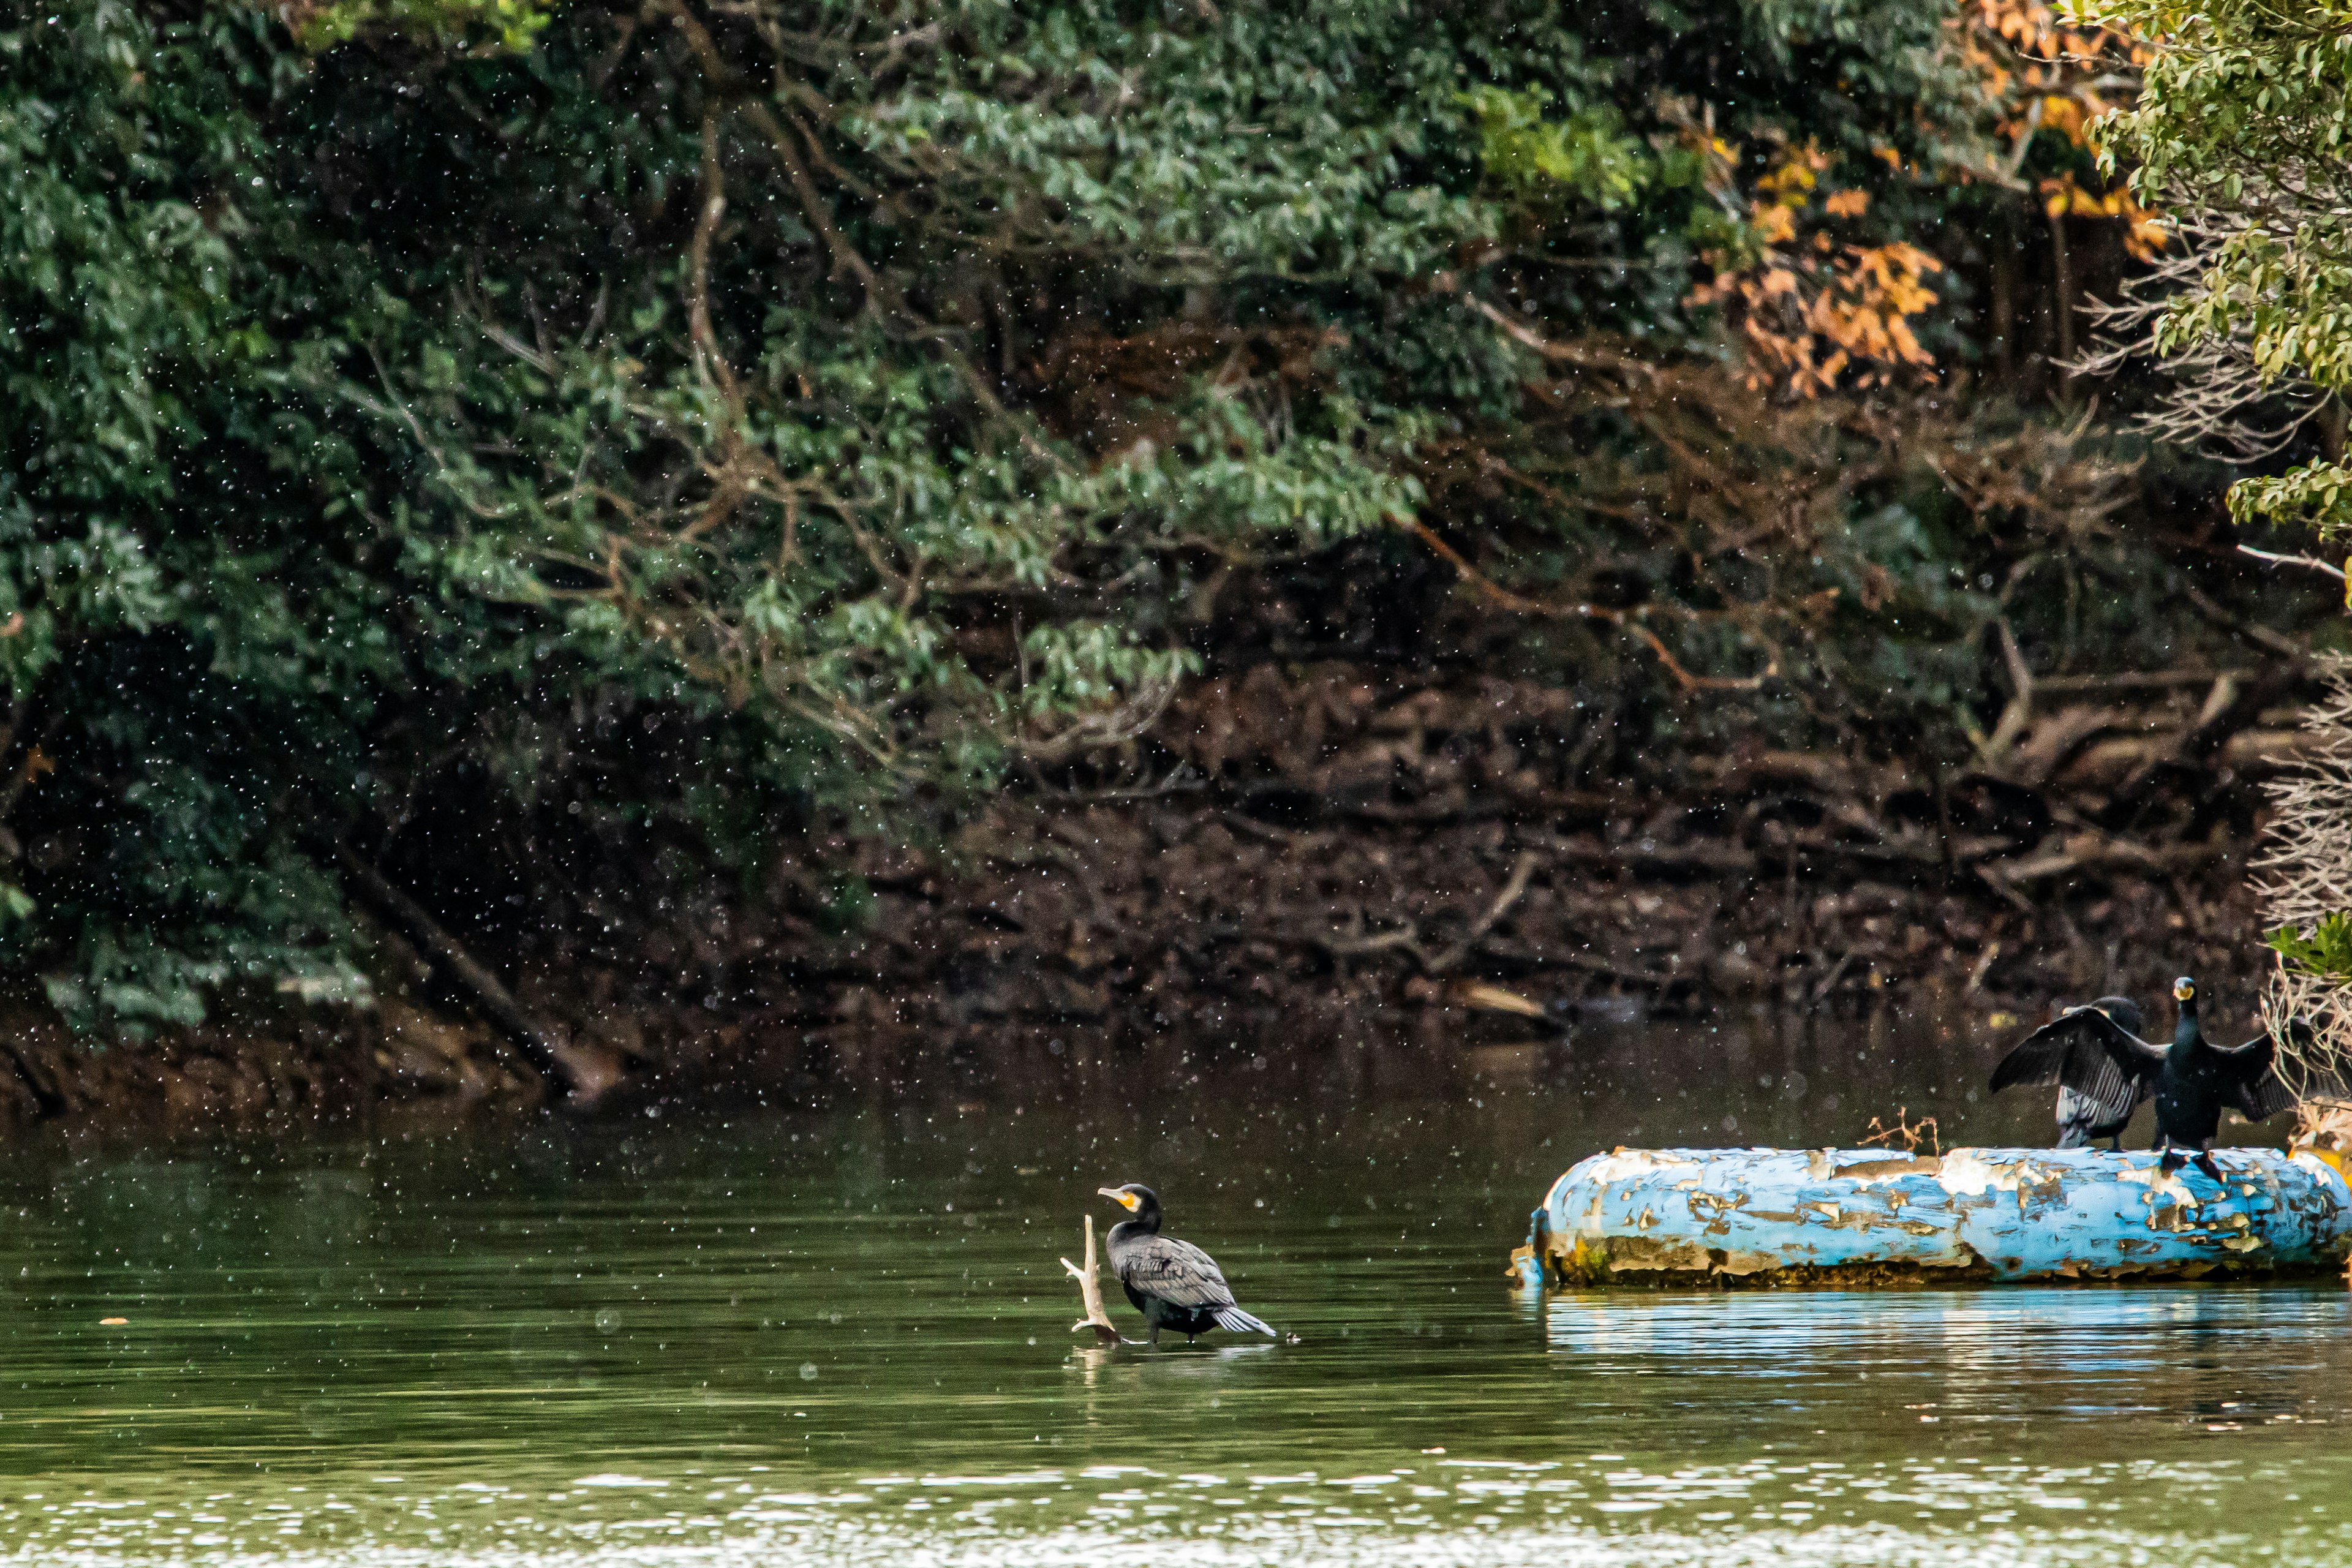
1053	968
1306	855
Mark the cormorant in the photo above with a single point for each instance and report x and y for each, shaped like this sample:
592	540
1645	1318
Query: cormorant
2080	1119
1172	1283
2111	1069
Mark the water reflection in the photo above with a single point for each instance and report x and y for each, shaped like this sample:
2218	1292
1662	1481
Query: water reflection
2215	1353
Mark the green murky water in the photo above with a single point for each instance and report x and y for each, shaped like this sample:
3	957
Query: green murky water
844	1338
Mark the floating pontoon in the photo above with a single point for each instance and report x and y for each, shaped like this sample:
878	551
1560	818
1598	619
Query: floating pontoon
1866	1216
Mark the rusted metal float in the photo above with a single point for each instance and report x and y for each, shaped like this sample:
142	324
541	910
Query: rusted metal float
1868	1216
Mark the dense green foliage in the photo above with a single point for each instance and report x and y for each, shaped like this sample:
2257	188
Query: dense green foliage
2244	132
672	427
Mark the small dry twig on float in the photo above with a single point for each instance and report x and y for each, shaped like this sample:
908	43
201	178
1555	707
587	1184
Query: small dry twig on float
1090	1292
1913	1133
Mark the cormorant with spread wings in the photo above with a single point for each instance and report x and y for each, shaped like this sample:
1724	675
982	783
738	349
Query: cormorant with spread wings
1172	1283
2110	1069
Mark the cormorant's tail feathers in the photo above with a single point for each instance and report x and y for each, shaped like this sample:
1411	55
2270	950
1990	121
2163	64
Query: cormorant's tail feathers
1234	1321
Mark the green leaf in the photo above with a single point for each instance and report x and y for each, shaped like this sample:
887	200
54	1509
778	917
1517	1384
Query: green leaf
2325	949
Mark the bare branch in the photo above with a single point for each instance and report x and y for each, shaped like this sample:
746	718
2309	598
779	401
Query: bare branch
2304	873
2218	398
2313	563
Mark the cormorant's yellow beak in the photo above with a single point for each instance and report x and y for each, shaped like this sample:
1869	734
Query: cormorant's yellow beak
2182	991
1126	1201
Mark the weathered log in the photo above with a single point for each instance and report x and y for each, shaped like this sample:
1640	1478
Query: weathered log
1479	996
2104	764
2056	742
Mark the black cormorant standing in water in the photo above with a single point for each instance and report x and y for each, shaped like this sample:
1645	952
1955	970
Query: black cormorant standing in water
2082	1120
1172	1283
2111	1069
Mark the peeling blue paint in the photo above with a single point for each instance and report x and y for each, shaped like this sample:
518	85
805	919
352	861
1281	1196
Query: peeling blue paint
1782	1216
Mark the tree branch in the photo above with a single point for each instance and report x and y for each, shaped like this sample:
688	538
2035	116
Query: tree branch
581	1074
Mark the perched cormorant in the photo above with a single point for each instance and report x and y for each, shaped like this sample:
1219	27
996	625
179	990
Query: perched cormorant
2111	1069
1172	1283
2081	1120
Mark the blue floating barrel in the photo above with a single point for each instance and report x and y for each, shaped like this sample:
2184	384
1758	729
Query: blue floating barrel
1869	1216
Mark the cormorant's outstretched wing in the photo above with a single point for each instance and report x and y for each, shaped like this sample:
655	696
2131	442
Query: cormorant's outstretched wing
2108	1067
1175	1271
2080	1119
2256	1089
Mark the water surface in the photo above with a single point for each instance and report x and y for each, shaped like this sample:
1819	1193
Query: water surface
685	1335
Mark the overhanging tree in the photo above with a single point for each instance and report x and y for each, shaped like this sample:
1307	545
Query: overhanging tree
605	434
2240	134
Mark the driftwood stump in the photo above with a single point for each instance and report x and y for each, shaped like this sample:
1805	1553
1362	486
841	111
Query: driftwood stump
1090	1292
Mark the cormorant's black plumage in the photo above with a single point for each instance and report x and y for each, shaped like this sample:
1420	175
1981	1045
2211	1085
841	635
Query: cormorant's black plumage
1172	1283
2082	1120
2110	1069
